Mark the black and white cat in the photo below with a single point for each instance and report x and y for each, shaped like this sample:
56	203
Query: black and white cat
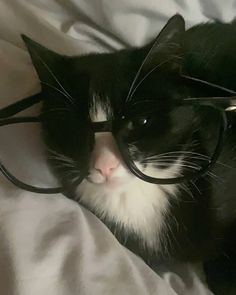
185	221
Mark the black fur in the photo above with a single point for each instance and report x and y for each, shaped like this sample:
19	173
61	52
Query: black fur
201	221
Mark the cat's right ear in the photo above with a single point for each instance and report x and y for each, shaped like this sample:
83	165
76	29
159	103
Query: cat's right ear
166	46
46	62
164	51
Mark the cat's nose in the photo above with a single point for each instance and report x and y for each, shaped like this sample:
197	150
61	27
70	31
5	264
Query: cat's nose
106	165
105	157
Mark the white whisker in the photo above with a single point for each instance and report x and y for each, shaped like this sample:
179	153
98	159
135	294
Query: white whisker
132	92
215	177
196	187
55	88
55	78
63	164
187	190
178	165
53	75
57	156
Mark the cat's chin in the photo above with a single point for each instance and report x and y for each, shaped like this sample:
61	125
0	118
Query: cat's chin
112	183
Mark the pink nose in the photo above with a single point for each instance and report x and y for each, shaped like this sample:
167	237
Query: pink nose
106	165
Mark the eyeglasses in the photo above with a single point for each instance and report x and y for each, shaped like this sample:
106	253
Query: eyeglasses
141	149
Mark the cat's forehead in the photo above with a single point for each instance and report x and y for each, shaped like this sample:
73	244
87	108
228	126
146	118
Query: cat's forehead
110	76
100	108
106	69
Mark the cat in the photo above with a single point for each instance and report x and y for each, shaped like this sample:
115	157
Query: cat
188	221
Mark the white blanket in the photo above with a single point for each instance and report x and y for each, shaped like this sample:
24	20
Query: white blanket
48	244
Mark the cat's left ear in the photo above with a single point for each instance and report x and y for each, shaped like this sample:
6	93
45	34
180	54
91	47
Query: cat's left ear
46	62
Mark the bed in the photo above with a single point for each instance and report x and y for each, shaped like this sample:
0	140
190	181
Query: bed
48	243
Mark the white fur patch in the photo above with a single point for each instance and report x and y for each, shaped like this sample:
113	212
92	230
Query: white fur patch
133	204
97	112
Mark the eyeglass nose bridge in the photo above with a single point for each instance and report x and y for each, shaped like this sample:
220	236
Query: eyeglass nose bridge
103	126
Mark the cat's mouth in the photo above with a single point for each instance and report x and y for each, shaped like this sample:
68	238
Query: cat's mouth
109	182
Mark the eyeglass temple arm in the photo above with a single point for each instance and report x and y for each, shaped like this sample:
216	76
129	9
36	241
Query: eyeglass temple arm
231	100
19	106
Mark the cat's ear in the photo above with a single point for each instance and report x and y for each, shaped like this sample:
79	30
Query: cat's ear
166	47
164	51
46	62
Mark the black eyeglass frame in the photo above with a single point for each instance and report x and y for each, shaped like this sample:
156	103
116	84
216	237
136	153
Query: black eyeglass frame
6	118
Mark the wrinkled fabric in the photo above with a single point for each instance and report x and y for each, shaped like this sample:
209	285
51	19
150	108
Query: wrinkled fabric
49	244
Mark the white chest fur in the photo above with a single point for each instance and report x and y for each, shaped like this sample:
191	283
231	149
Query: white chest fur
118	196
135	205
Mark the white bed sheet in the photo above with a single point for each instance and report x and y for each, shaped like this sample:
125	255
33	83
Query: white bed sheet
48	244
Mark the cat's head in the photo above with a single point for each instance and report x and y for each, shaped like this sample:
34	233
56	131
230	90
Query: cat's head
78	91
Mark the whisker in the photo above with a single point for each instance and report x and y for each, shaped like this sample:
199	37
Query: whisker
53	75
224	165
214	176
170	161
173	158
59	161
69	97
55	88
196	187
64	164
70	176
182	153
148	74
195	167
55	155
187	190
